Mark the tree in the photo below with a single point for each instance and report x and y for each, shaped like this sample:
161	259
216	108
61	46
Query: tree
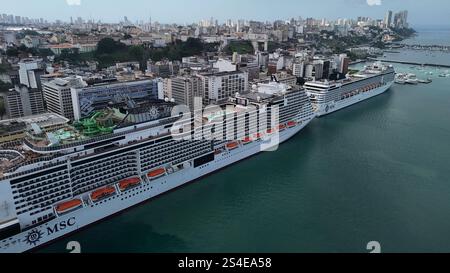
108	46
136	52
45	52
241	47
12	52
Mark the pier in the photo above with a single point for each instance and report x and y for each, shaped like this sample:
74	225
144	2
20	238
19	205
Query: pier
441	48
410	63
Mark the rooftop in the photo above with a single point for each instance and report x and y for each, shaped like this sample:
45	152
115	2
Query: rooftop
24	123
11	126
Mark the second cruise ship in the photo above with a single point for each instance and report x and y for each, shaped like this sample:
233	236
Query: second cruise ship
55	182
330	96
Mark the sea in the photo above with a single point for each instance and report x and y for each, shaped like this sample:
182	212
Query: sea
377	171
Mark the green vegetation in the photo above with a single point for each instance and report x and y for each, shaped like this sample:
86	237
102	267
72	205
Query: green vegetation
4	86
2	108
4	68
26	32
403	33
110	51
341	44
353	56
25	51
241	47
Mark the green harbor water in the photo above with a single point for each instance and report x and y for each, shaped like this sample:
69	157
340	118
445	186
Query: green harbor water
376	171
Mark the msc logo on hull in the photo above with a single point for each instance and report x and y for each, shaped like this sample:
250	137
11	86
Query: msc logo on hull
61	226
34	236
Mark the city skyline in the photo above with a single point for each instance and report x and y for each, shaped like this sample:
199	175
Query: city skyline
170	11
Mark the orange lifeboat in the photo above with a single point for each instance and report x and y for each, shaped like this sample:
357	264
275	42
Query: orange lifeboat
68	206
156	173
129	183
291	124
232	145
270	131
281	127
258	136
247	140
102	193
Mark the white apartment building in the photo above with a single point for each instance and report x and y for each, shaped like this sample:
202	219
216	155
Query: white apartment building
218	87
57	94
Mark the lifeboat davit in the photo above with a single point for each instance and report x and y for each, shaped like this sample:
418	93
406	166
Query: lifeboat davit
129	183
247	140
291	124
102	193
156	173
232	145
68	206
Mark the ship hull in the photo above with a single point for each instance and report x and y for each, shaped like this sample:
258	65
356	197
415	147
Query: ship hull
328	108
92	213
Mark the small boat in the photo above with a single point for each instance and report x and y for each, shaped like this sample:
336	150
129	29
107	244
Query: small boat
102	193
156	173
411	79
232	145
270	131
129	183
400	78
247	140
281	127
68	206
258	135
427	81
291	124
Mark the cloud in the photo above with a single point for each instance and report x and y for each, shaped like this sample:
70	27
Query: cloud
78	2
370	2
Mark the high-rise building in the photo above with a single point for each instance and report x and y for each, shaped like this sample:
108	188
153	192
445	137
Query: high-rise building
218	87
183	90
318	70
23	101
326	69
309	69
388	19
57	95
401	19
344	62
30	71
298	69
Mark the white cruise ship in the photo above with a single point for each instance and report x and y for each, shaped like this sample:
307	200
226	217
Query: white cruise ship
55	183
330	96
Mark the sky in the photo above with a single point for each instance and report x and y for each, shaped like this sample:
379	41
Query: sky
421	13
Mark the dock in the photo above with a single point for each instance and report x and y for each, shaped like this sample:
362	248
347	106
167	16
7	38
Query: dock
409	63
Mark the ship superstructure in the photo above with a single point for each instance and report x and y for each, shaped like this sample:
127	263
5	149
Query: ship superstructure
330	96
56	182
